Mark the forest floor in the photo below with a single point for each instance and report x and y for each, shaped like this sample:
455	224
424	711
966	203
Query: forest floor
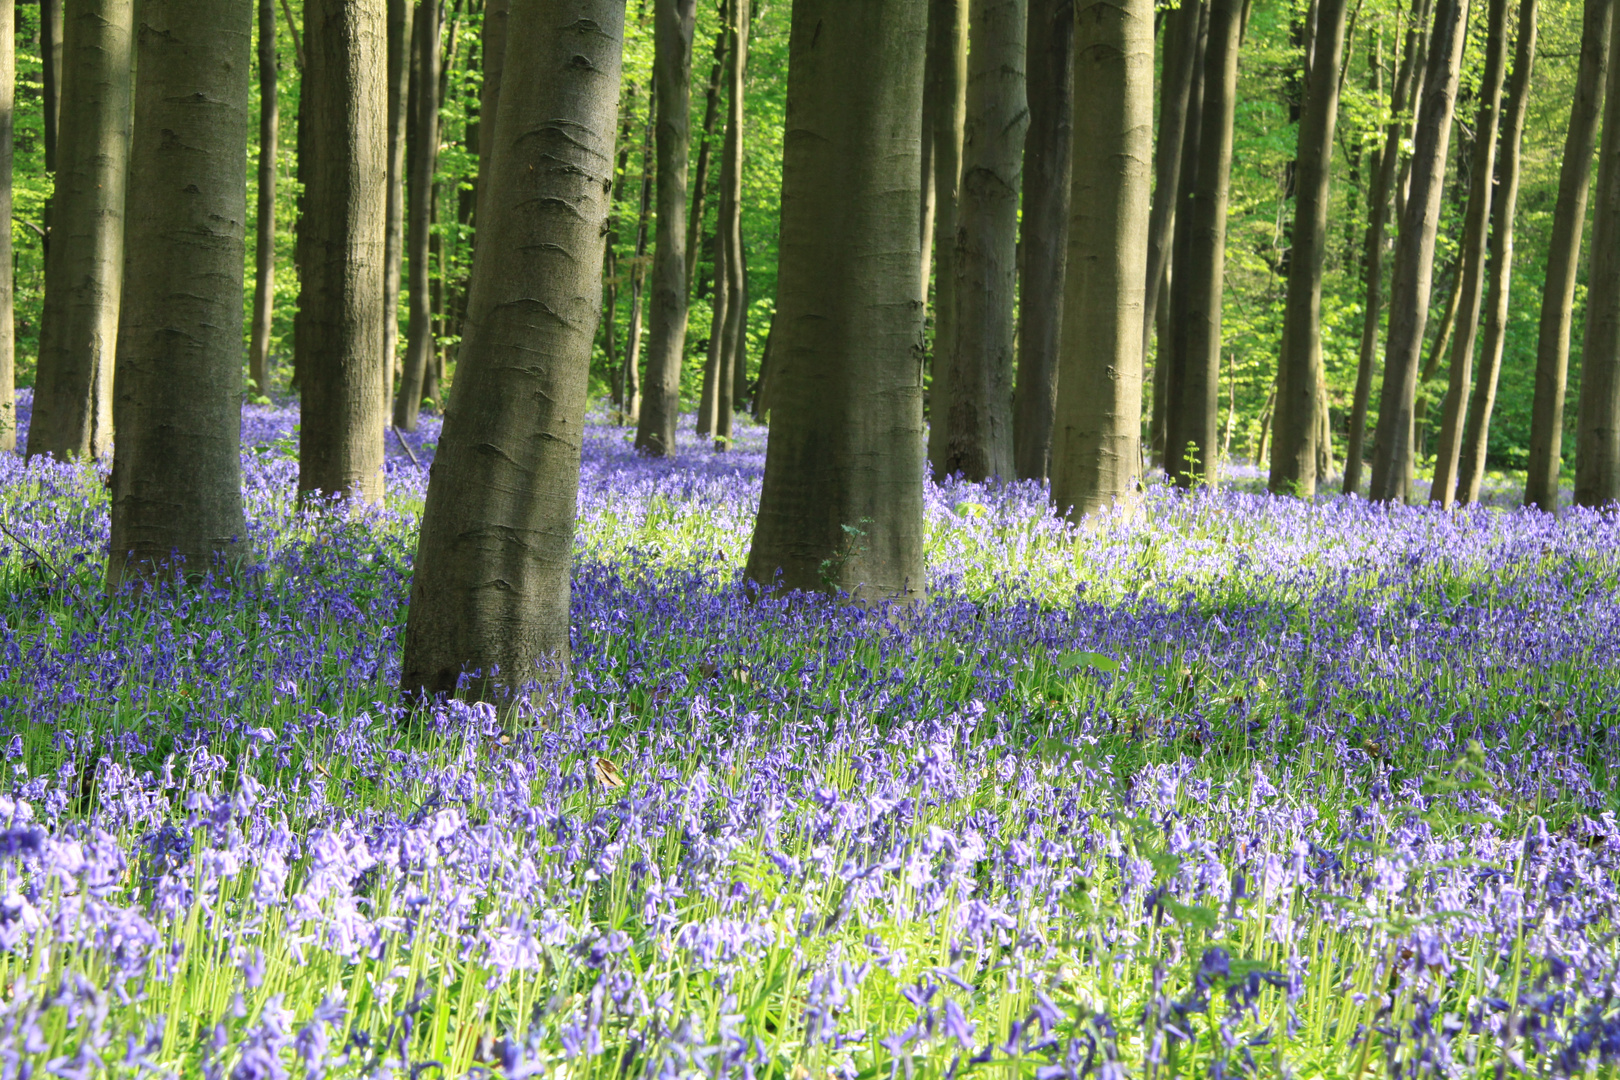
1217	784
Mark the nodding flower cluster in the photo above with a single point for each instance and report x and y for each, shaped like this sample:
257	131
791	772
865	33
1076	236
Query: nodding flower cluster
1215	783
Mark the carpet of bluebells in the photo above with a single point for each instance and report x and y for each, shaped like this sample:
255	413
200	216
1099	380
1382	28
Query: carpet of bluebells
1219	785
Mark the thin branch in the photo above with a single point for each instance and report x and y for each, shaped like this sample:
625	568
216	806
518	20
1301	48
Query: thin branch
30	224
32	549
407	447
298	46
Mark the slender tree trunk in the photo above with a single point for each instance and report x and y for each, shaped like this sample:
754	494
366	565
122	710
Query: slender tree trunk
1180	49
1193	444
947	95
84	271
981	379
1414	254
420	345
729	322
439	245
1044	231
8	337
1597	424
264	277
672	82
1477	431
1170	362
50	54
638	272
400	68
610	260
711	116
502	500
1563	260
1385	168
339	329
1297	427
842	506
1096	458
177	472
1476	235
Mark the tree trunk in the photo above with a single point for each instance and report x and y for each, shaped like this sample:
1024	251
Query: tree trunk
1563	260
497	13
700	180
733	373
708	417
420	345
177	471
1476	235
339	330
490	597
631	380
50	54
84	271
981	380
400	69
1180	49
1096	457
1192	443
947	95
1414	254
610	259
8	337
842	505
1044	231
672	82
1597	424
264	277
1297	427
1170	362
1477	431
1385	168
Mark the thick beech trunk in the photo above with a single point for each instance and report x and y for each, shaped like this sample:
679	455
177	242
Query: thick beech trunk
1475	238
1386	166
1563	260
946	91
497	13
264	255
979	418
672	83
1096	454
84	268
1044	232
490	597
339	330
842	506
1414	254
177	473
420	343
1476	433
1299	412
1192	436
1597	423
399	69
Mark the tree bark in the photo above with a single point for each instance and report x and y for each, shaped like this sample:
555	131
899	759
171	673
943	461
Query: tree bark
1476	236
842	505
51	29
675	21
1385	169
733	366
1297	426
1192	437
700	180
1477	431
497	13
1044	232
1096	459
8	338
177	474
490	597
947	96
631	377
1180	49
339	329
84	270
420	345
264	276
1563	260
399	25
1414	254
1597	430
981	380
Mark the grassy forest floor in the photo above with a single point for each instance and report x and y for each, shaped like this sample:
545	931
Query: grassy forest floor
1219	784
